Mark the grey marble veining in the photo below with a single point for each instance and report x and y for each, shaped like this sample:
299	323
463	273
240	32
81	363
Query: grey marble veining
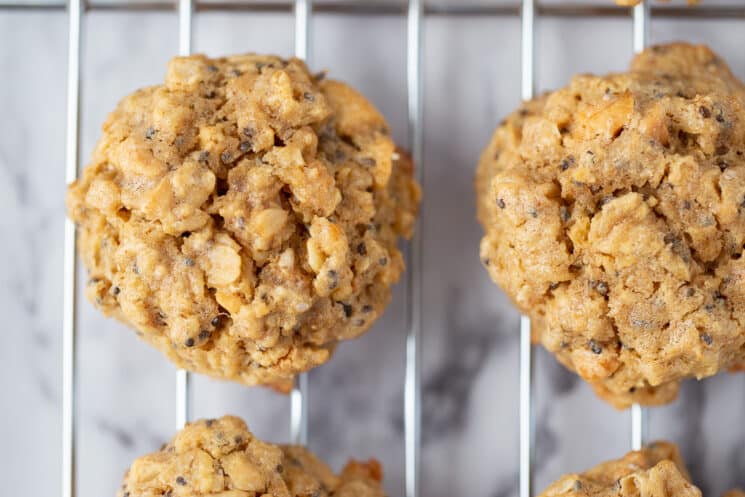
126	389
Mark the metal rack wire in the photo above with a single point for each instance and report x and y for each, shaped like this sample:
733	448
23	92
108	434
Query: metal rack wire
416	11
640	36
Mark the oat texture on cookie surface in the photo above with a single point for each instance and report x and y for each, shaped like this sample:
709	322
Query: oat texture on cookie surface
244	216
614	216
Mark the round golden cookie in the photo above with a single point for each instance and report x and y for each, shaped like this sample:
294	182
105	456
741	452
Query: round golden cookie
243	217
614	212
221	458
655	471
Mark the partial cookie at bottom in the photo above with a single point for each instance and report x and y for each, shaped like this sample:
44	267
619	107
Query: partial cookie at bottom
222	458
655	471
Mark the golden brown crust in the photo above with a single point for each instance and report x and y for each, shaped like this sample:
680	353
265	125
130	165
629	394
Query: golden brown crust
614	212
243	217
655	471
221	458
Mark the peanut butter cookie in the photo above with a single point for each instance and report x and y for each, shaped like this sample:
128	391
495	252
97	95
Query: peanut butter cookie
655	471
243	217
221	458
614	212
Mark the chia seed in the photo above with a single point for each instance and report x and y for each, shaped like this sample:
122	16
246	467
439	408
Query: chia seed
566	163
347	309
333	279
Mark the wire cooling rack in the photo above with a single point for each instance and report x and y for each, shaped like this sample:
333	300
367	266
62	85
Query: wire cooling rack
415	11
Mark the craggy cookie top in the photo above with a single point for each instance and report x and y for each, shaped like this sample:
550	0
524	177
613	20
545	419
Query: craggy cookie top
614	212
655	471
243	217
221	458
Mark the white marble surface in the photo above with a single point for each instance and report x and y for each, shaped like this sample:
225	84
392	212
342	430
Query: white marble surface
126	401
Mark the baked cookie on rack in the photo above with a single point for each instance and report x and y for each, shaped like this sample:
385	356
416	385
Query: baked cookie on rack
655	471
222	458
244	216
614	212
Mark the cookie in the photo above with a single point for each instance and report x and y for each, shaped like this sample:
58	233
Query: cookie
243	217
614	216
655	471
221	458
